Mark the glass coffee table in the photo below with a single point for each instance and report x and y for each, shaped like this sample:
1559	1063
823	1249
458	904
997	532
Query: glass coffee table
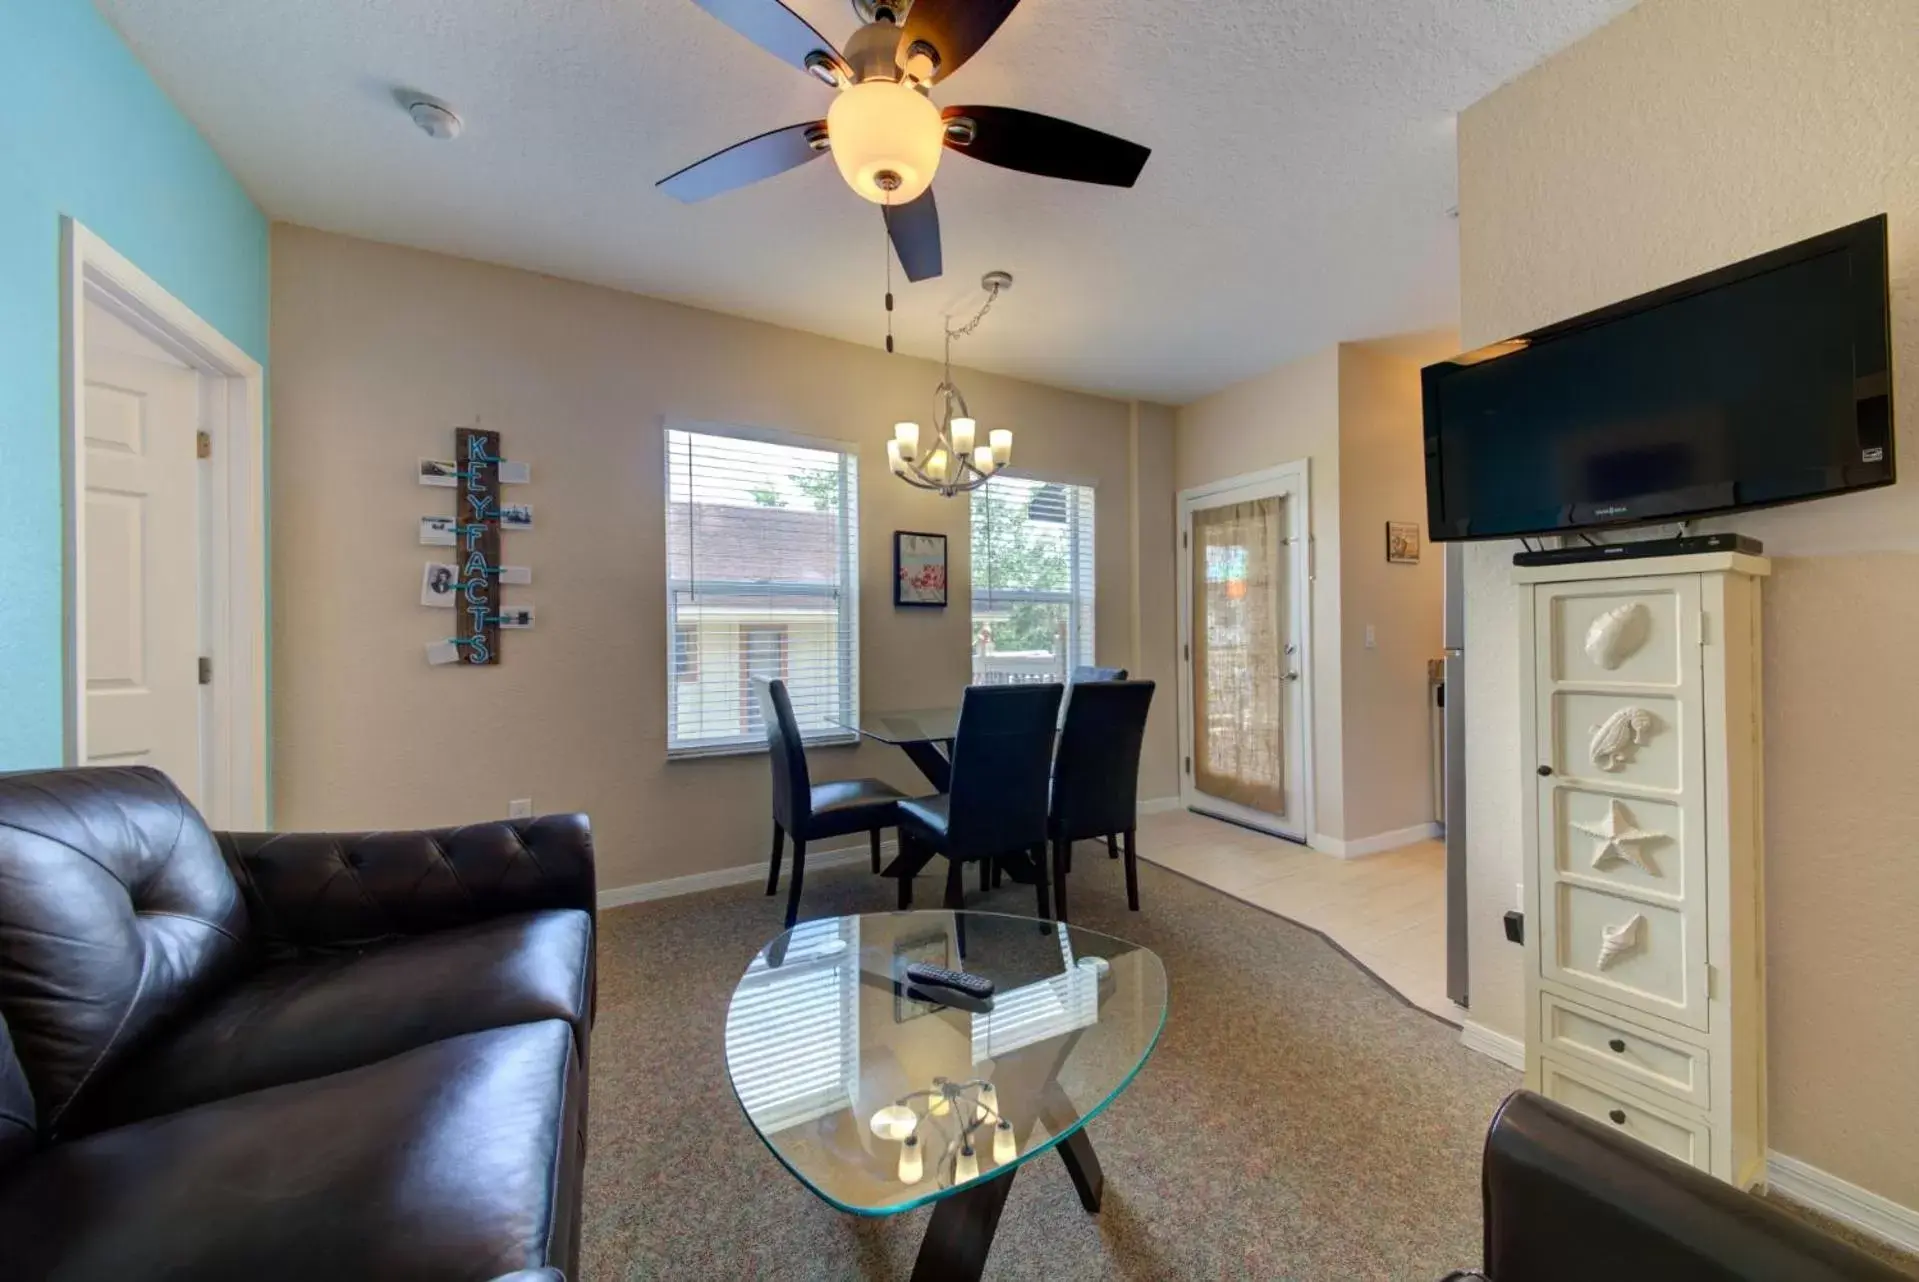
880	1099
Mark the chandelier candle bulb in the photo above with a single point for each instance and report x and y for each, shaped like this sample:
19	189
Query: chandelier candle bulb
908	437
938	464
983	462
965	1166
894	459
911	1167
1005	1147
963	429
1001	440
895	1122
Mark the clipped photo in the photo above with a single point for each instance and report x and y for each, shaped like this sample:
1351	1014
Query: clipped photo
516	516
435	471
438	531
439	584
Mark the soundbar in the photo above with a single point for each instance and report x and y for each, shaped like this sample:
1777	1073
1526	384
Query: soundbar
1684	545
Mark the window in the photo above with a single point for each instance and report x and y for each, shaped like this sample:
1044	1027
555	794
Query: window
762	533
686	652
1032	580
793	1030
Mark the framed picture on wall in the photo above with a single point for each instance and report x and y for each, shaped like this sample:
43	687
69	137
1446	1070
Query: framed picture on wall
919	569
1402	542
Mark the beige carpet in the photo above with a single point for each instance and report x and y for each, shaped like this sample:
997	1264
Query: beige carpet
1297	1121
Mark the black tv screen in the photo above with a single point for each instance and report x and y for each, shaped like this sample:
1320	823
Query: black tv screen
1769	381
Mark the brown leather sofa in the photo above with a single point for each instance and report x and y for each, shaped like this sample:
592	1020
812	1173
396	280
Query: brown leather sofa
287	1057
1570	1200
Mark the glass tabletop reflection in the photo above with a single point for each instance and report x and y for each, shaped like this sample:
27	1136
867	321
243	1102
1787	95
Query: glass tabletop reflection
881	1102
919	725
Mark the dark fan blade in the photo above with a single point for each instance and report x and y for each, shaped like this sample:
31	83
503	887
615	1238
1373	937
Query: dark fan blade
915	229
746	162
778	30
1045	145
955	28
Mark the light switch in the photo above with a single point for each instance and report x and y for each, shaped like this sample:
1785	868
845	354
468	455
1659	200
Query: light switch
1370	637
521	809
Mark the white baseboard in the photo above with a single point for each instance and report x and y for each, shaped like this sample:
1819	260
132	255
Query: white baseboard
1158	805
645	892
1845	1202
1376	844
1509	1051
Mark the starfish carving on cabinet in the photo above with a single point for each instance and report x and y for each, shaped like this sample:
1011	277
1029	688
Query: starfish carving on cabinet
1619	837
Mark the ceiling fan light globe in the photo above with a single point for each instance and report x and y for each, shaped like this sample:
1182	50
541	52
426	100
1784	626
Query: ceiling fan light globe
884	127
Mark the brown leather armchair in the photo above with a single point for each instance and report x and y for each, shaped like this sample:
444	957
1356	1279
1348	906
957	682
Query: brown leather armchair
290	1056
1568	1200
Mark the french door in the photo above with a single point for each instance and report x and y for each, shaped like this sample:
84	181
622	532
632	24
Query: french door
1245	652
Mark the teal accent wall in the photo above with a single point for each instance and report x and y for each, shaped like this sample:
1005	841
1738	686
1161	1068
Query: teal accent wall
85	131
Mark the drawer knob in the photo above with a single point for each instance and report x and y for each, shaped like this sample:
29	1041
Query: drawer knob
1618	1116
1544	771
1618	1046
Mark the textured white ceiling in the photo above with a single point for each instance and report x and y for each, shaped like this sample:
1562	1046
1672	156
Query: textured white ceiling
1297	195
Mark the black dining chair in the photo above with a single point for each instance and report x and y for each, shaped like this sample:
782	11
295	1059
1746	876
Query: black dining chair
1096	777
1083	673
808	811
996	804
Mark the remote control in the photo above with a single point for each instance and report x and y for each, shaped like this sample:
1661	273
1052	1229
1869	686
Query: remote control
950	999
928	976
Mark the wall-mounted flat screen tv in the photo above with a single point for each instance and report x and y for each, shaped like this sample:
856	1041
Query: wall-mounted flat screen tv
1766	382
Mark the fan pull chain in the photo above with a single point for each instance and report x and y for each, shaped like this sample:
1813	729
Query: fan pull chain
886	242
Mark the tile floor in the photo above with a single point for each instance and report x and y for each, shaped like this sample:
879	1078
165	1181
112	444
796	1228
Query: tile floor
1388	910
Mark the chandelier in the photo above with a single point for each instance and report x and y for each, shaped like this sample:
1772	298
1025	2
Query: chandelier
947	1118
955	459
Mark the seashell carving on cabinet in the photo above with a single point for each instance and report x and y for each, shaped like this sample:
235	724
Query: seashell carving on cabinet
1616	941
1614	739
1616	635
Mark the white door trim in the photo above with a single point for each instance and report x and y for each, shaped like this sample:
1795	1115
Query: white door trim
233	392
1296	476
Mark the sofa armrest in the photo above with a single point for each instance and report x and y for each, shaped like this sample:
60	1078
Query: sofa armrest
1570	1200
320	890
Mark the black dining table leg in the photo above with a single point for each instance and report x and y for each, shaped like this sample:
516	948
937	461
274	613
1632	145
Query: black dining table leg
961	1233
931	758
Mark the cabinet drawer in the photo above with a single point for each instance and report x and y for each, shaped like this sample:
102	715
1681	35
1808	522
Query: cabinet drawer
1579	1034
1672	1133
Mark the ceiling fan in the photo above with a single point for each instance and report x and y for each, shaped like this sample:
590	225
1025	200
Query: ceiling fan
885	134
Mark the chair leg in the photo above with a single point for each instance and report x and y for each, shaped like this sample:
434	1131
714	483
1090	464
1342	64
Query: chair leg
999	873
779	844
1062	857
986	878
905	875
1112	846
1132	871
793	886
1041	890
955	883
876	851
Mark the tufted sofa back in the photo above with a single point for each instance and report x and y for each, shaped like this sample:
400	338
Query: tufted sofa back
117	912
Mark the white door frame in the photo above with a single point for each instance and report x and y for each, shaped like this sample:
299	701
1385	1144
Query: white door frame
1299	530
233	413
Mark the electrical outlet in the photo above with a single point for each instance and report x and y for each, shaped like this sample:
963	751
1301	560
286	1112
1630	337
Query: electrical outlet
1371	639
521	809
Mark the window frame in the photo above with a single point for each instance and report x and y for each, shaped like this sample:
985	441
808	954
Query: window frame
1078	654
846	592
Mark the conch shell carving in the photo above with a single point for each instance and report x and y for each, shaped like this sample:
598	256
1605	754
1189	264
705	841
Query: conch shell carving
1614	739
1617	634
1616	941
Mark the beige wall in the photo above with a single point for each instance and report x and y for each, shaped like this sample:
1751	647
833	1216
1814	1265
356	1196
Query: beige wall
1686	135
1156	620
1387	737
379	351
1287	414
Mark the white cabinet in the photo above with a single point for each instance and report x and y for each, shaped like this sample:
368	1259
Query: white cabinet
1645	906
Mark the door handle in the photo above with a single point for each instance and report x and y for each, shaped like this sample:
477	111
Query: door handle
1292	676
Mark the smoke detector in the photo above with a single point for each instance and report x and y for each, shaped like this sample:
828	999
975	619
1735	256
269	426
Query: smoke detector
435	119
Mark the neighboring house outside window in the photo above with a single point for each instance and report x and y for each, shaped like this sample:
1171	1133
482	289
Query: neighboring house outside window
1032	580
762	537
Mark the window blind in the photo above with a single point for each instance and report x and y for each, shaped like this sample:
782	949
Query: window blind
792	1032
762	539
1033	580
1051	1007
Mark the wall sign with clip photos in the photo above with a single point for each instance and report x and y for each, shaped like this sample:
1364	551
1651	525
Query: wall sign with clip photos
470	585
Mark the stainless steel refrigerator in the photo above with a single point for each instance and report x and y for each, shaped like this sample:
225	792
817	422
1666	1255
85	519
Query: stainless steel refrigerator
1453	692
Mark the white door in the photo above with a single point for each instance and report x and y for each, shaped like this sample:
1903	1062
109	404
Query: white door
1245	678
141	557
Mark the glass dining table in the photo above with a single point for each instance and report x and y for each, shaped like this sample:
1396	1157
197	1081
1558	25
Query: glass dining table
925	735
